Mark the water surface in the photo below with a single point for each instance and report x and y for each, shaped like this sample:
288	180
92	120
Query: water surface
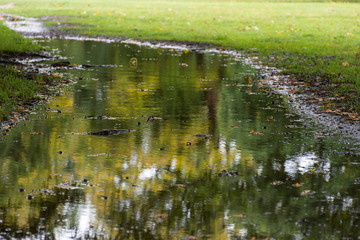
194	115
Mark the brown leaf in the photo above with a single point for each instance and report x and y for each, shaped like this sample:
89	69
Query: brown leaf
345	64
35	133
305	192
239	215
161	215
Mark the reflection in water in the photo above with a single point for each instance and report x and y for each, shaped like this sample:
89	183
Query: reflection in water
194	115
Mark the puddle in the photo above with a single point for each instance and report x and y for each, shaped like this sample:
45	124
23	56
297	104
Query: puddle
22	24
213	153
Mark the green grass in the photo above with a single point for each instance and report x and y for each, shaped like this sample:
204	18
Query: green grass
316	41
12	42
16	88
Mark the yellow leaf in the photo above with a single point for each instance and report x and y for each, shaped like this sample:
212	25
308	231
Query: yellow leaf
345	64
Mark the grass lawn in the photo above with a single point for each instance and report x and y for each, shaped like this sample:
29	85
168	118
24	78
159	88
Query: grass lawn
316	41
15	87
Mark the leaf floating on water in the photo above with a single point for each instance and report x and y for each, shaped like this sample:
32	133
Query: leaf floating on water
99	154
305	192
151	118
225	173
36	133
56	174
133	62
108	132
254	133
277	182
357	181
62	186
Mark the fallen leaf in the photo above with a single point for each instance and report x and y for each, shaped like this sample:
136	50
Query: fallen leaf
305	192
56	174
239	215
250	80
277	182
62	186
35	133
345	64
254	133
